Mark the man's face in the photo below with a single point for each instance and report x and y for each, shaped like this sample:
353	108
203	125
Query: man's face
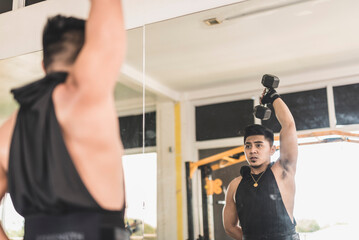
258	150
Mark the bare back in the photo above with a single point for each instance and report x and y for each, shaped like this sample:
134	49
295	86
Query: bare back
85	108
92	137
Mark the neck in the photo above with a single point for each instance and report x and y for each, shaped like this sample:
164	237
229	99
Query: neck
58	68
259	169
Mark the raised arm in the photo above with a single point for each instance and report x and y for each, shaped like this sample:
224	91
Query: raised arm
288	136
98	64
230	217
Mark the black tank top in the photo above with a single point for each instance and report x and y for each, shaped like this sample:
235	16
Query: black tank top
42	178
260	209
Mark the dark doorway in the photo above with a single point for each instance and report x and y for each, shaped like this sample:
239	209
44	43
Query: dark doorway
226	174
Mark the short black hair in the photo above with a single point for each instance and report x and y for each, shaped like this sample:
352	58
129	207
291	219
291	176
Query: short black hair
62	40
257	129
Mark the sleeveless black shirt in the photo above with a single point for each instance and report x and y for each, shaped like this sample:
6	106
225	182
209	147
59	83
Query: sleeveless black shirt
260	209
42	178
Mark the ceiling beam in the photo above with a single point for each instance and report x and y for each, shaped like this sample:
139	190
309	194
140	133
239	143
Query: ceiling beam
151	84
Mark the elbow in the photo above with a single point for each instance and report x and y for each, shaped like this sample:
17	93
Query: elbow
234	232
229	229
226	229
289	125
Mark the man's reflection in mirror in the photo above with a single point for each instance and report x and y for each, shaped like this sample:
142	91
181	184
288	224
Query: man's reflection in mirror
260	202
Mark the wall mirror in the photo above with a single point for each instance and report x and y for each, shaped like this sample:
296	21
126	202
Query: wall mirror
210	64
202	79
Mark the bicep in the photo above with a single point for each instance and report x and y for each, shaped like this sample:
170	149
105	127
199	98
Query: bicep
230	217
3	162
98	64
3	183
288	148
6	131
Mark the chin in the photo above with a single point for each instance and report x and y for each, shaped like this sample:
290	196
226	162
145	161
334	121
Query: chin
256	165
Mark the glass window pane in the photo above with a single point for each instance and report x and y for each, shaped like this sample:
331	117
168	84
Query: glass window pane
141	196
131	130
29	2
5	6
223	120
326	211
309	109
346	106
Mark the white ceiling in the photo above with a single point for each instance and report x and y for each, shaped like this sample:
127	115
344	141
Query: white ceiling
184	55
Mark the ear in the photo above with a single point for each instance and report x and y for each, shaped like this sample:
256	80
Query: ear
272	150
43	66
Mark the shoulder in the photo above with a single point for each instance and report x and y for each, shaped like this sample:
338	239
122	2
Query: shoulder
233	185
6	131
235	182
231	191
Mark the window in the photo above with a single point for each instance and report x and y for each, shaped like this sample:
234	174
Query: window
346	106
223	120
30	2
5	6
309	109
131	130
141	193
325	200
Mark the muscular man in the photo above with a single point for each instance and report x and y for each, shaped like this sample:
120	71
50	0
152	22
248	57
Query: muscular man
261	200
61	152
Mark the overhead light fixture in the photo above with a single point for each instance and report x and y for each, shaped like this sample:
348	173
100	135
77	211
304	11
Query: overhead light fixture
212	21
215	21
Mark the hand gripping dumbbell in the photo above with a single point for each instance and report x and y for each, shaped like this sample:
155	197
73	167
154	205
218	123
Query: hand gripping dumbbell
269	95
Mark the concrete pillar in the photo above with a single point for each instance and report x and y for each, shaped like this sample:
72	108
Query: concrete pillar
166	169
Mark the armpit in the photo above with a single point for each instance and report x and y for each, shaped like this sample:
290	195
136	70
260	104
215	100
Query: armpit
284	163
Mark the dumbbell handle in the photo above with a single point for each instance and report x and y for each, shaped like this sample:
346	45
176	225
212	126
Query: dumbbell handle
262	112
264	93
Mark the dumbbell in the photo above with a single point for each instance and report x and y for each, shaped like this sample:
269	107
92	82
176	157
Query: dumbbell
269	82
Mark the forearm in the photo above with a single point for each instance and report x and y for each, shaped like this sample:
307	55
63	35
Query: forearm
283	114
235	232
